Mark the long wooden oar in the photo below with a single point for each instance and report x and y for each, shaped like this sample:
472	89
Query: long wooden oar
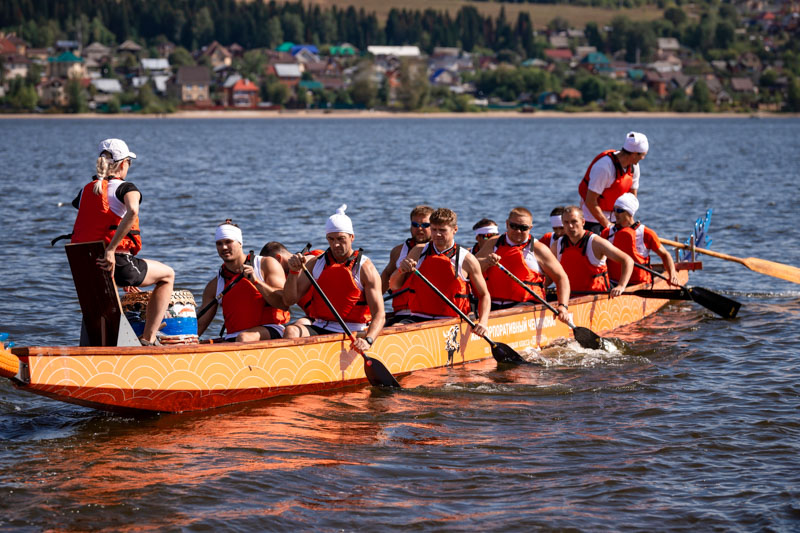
762	266
502	353
377	373
585	337
718	303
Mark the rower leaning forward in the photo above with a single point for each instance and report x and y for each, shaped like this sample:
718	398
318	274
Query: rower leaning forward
451	268
350	281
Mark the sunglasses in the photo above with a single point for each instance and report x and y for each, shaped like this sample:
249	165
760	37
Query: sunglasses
519	227
422	225
486	236
619	211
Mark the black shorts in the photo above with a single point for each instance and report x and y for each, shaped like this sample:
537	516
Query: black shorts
130	270
316	330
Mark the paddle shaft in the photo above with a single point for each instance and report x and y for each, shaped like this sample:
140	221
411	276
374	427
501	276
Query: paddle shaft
452	306
218	299
658	274
762	266
531	292
395	294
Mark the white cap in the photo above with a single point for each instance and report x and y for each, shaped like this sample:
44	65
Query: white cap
118	149
628	202
636	142
339	222
228	231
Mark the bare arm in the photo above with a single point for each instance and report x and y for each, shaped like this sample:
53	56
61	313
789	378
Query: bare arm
390	268
372	291
669	264
602	247
472	268
209	295
132	200
553	270
272	288
398	278
297	283
486	256
594	209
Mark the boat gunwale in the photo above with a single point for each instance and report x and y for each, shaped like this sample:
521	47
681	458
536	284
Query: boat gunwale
207	347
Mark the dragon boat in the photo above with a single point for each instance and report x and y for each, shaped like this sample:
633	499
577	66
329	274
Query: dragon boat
191	377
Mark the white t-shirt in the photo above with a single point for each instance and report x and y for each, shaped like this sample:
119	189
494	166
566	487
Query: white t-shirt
601	177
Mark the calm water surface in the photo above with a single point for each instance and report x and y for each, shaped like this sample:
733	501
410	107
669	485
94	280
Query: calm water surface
693	424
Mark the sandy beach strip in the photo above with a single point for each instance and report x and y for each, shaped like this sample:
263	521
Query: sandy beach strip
362	114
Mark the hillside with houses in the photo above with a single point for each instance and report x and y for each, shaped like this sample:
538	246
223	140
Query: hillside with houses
742	56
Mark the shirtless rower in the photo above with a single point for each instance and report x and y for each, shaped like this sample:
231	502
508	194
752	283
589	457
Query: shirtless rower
449	267
420	234
525	257
253	309
349	280
636	240
583	256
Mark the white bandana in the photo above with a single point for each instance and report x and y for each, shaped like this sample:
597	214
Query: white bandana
226	231
628	202
556	222
339	222
486	230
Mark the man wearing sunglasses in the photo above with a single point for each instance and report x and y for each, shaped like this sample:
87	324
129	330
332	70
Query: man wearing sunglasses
525	257
583	255
450	268
637	241
420	234
611	174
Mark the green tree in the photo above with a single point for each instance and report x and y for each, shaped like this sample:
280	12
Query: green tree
701	97
364	91
591	89
675	15
181	57
76	97
203	26
793	95
414	89
293	27
251	65
274	32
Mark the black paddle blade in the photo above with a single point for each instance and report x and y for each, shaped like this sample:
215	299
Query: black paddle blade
587	338
503	353
377	373
721	305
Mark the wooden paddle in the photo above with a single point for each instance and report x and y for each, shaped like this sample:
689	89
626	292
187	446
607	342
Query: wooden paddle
502	353
718	303
377	373
762	266
585	337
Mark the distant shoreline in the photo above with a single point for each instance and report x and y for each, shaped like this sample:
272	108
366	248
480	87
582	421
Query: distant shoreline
360	114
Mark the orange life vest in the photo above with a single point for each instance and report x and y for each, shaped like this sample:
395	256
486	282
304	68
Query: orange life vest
303	301
243	307
500	284
338	282
400	303
620	186
631	241
583	275
546	238
438	268
97	222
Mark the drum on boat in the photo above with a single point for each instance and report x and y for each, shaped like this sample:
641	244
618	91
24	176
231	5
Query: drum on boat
179	325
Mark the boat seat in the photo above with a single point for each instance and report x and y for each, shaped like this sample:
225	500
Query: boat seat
104	323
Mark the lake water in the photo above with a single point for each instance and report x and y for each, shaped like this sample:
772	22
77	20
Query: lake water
694	426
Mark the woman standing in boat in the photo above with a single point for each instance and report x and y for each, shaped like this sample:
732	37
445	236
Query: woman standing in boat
108	210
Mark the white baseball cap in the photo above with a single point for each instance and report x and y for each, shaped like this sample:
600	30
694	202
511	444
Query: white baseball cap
117	148
636	142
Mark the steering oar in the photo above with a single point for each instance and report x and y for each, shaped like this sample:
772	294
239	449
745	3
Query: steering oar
502	353
377	373
585	337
